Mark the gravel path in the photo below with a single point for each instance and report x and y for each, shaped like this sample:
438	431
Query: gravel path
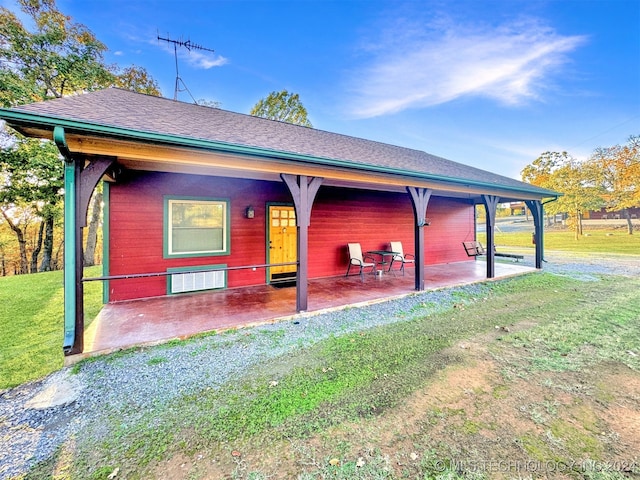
129	385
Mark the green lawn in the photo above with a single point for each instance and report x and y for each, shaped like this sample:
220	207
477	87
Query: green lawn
595	241
329	396
31	306
31	322
548	323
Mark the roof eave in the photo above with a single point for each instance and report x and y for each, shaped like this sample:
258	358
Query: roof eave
18	119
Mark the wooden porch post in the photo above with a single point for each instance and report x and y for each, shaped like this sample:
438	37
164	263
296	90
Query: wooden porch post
419	199
303	190
537	210
490	207
89	178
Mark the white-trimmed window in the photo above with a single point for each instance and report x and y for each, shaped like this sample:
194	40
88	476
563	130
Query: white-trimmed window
196	227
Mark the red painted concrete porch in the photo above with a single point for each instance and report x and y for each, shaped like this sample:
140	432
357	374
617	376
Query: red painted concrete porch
154	320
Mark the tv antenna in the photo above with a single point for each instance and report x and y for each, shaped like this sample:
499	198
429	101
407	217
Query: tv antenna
189	46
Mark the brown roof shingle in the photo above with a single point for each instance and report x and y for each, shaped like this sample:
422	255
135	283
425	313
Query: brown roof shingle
123	109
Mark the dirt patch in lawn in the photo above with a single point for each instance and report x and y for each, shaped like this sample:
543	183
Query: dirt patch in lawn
471	419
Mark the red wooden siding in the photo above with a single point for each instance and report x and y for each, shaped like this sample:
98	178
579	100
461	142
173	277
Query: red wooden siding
339	216
374	219
137	221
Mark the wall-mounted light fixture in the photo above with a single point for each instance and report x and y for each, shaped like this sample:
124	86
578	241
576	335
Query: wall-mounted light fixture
249	212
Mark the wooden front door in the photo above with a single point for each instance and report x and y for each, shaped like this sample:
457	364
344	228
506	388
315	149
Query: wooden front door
282	241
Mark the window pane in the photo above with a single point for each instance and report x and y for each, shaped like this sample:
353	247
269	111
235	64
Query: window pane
187	240
192	214
197	226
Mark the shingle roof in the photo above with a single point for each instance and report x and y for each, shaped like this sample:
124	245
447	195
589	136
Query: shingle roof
123	109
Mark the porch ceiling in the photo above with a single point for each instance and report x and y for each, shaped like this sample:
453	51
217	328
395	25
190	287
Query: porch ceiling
189	161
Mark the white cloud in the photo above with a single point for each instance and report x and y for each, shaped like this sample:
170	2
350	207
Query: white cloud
203	60
194	57
440	62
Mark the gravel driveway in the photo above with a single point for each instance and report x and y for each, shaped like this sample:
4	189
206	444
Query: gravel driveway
129	385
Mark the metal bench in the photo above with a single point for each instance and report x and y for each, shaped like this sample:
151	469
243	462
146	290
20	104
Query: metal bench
475	249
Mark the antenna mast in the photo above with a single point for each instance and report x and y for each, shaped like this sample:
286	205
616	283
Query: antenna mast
188	45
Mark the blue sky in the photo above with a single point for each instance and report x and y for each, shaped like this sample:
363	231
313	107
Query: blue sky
487	83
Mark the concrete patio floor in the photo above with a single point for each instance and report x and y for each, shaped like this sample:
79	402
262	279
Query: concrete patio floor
156	320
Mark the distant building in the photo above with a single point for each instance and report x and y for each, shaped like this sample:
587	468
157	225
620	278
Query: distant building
603	214
517	208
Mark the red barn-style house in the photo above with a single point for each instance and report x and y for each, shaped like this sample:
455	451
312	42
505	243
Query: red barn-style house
242	201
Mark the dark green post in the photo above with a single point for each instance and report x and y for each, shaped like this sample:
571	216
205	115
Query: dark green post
491	207
73	341
419	200
537	211
303	190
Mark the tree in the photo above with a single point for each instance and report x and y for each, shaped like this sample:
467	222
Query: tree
31	172
563	173
59	57
18	222
136	79
94	222
283	107
203	102
618	174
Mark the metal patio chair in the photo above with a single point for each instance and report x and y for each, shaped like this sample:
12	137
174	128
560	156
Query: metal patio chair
357	259
401	257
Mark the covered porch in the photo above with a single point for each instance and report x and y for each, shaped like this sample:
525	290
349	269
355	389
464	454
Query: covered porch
156	320
221	173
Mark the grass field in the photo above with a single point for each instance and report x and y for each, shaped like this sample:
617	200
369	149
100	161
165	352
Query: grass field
595	241
31	313
31	305
539	368
414	399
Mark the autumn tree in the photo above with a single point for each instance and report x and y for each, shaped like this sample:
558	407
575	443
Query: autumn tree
539	173
31	181
3	256
617	172
136	79
57	57
563	173
283	107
